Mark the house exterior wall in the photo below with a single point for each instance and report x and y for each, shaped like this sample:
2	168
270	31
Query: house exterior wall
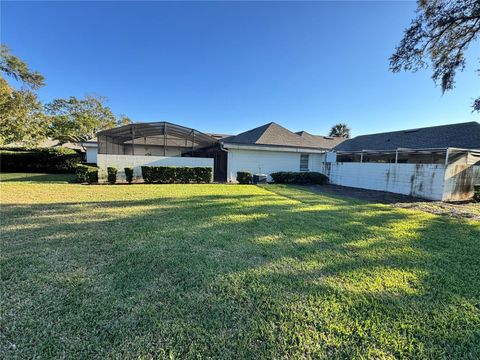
122	161
91	155
420	180
267	162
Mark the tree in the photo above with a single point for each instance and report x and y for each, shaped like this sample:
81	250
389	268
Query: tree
16	68
75	119
123	120
21	116
441	33
340	130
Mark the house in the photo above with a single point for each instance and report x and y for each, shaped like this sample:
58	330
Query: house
265	149
270	148
420	146
438	163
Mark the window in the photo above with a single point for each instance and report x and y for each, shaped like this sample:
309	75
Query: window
304	162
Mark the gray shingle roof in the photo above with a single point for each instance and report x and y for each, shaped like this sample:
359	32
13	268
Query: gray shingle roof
462	135
324	142
270	134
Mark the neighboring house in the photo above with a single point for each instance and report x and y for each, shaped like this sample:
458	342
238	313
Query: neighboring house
266	149
423	145
439	163
91	148
270	148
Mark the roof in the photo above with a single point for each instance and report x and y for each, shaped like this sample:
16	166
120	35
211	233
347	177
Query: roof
461	135
155	129
273	134
325	142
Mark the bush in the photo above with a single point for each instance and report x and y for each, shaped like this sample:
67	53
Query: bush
129	174
476	192
86	173
47	160
203	174
171	174
112	175
244	177
307	177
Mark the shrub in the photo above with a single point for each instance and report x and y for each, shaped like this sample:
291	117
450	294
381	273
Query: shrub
48	160
112	175
86	173
203	174
307	177
185	175
171	174
129	174
476	192
244	177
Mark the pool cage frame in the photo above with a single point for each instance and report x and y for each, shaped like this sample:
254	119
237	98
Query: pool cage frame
154	139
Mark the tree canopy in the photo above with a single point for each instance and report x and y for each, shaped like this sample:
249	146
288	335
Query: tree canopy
76	119
21	115
340	130
12	66
439	36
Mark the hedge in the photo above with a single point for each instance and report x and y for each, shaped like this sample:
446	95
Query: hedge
172	174
112	175
476	192
129	174
244	177
307	177
47	160
86	173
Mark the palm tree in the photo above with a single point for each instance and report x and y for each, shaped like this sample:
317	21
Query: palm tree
340	130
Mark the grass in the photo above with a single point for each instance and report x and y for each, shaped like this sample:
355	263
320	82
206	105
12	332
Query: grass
222	271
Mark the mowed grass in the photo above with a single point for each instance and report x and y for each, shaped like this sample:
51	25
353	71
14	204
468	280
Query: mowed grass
223	271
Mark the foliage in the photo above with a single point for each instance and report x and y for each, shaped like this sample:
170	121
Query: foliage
74	117
340	130
21	114
172	174
12	66
123	120
441	33
112	175
244	177
232	272
129	174
49	160
305	177
476	192
86	173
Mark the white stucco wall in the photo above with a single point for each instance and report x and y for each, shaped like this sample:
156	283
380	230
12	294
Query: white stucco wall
267	162
421	180
91	155
122	161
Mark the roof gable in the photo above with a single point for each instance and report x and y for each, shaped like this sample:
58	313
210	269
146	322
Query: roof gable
270	134
462	135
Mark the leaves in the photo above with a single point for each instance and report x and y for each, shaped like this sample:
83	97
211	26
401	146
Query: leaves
79	118
440	34
16	68
340	130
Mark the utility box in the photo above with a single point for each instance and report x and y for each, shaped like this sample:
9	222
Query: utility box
259	179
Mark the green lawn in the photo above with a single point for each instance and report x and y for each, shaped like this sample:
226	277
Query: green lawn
224	271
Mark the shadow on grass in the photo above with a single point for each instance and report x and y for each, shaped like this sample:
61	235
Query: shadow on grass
34	177
282	274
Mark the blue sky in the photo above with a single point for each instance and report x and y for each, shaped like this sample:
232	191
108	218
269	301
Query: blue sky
231	66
